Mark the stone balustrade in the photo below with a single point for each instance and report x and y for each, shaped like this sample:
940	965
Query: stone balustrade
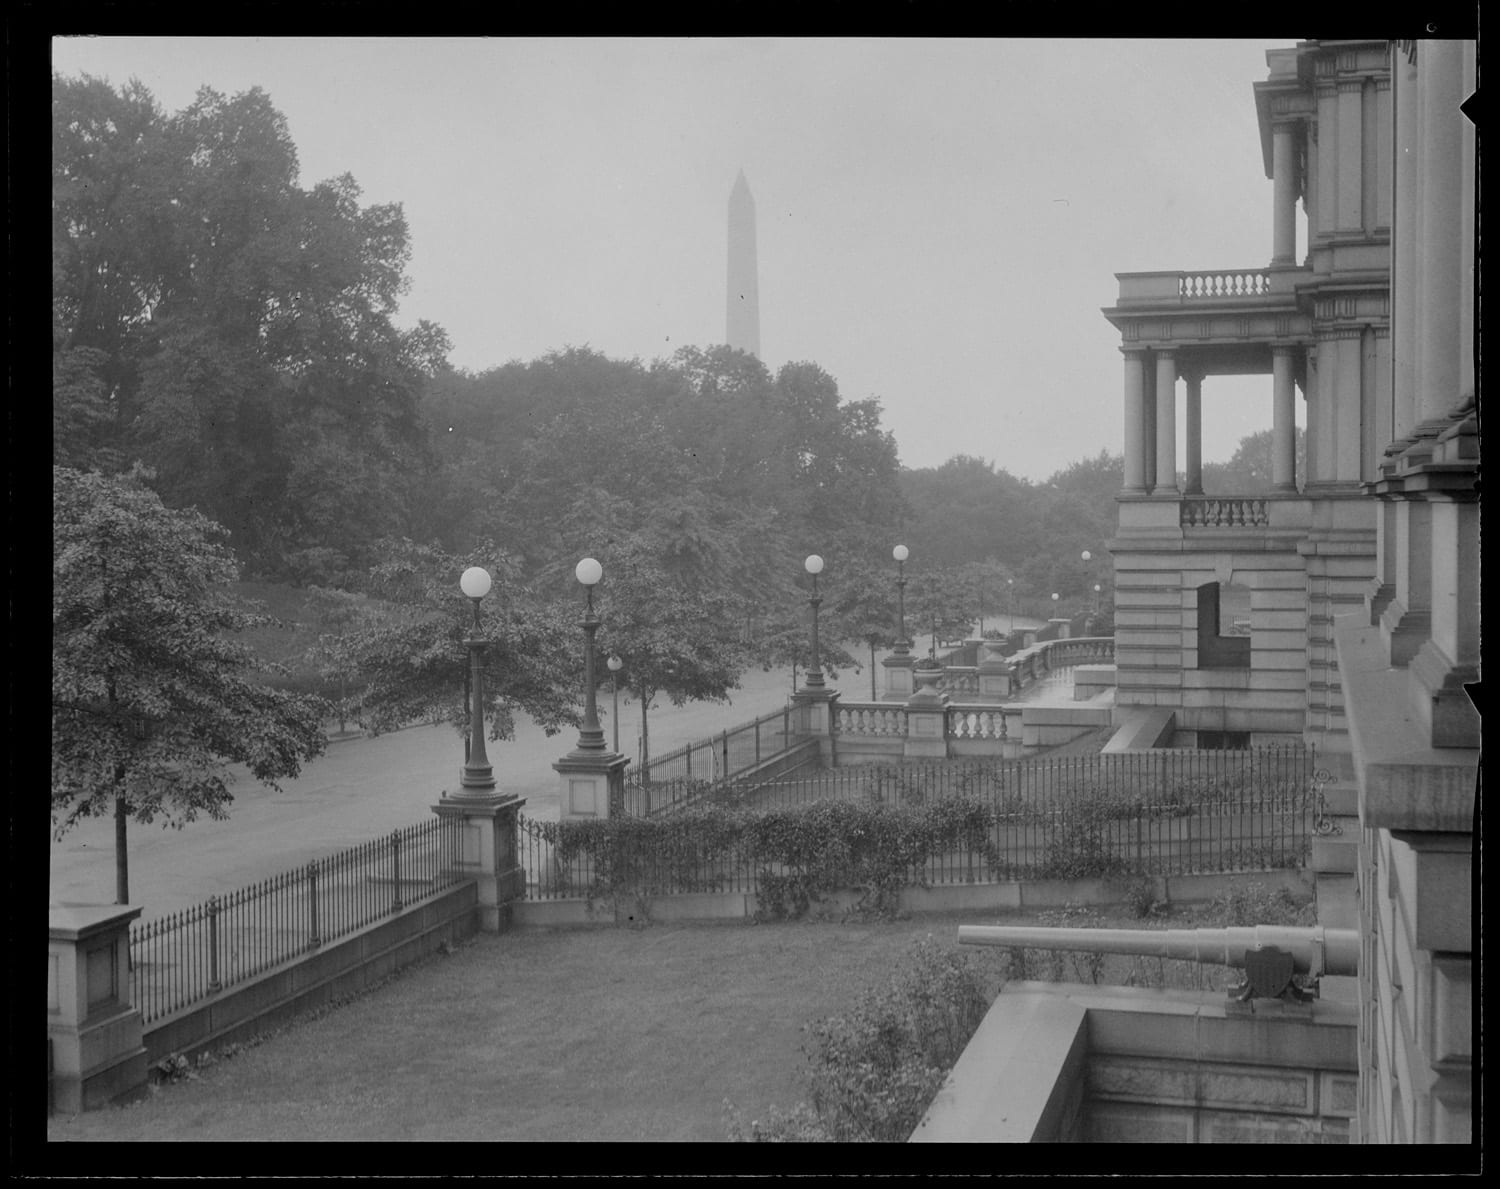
984	722
1233	283
870	719
957	712
1224	512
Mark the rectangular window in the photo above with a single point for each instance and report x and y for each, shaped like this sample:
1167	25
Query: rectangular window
1217	650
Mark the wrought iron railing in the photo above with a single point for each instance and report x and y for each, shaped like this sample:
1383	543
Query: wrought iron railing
186	956
1162	812
665	781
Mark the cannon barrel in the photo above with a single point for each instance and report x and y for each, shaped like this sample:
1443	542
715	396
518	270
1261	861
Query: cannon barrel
1315	950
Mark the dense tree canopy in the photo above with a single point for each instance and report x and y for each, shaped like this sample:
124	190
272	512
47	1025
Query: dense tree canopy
152	698
230	329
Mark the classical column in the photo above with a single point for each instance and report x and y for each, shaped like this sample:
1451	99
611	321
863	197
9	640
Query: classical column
1404	248
1383	160
1351	170
1135	422
1194	442
1439	76
1166	423
1283	420
1284	195
1468	81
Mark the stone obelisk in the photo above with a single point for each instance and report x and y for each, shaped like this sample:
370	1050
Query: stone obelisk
742	314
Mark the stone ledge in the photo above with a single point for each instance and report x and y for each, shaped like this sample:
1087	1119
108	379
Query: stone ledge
1039	1041
1404	782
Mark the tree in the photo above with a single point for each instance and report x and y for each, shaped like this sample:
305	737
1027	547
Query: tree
340	616
414	663
230	329
151	698
865	607
673	640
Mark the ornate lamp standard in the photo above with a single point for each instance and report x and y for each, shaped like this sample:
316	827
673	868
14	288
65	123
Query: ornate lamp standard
477	775
615	665
900	664
814	679
478	821
592	777
591	734
903	645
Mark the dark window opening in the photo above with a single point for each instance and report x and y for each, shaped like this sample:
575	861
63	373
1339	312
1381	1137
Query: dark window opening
1215	649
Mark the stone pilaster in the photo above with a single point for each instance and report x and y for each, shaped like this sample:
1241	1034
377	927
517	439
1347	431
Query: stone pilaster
93	1029
927	715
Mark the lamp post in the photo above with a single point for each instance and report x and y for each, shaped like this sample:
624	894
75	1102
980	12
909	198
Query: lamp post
814	679
591	734
615	665
1054	604
477	775
1097	590
1010	599
903	645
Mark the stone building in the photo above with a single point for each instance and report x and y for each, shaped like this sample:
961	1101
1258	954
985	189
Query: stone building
1340	609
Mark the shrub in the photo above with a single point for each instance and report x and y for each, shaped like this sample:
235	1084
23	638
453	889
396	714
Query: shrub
875	1069
1256	904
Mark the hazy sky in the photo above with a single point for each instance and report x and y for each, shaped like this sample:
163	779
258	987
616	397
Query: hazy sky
939	221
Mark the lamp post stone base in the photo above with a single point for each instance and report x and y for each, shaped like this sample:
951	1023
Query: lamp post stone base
483	846
593	785
898	679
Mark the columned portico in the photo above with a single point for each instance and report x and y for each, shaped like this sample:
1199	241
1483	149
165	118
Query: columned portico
1166	424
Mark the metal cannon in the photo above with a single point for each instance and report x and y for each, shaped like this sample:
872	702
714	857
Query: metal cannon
1269	954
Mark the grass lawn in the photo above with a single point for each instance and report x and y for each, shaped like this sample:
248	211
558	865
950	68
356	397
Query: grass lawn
609	1034
570	1035
557	1035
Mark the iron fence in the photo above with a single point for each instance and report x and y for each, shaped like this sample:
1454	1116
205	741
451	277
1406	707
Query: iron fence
679	777
1145	814
181	958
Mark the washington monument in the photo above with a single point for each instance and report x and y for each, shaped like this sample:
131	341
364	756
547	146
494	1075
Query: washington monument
742	315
